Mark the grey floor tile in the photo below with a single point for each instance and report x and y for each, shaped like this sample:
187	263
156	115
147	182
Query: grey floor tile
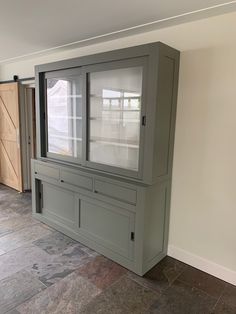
67	296
14	311
124	297
54	243
2	252
20	258
223	308
22	237
161	276
207	283
183	299
229	295
102	272
16	223
60	265
16	289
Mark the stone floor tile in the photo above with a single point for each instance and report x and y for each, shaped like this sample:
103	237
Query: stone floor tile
102	272
16	289
198	279
14	311
13	224
223	308
60	265
180	298
68	296
123	297
161	276
22	237
54	243
229	295
20	258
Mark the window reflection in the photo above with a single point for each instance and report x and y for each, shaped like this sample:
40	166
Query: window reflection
115	106
64	117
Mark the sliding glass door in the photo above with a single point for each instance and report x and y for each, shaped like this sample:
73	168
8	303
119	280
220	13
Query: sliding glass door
95	116
64	115
115	111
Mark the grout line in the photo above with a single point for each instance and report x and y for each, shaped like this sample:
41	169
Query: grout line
198	289
146	286
223	290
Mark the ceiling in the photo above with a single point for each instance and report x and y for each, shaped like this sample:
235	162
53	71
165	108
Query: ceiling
30	26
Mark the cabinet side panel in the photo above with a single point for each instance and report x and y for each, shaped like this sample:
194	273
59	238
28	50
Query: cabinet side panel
165	115
154	223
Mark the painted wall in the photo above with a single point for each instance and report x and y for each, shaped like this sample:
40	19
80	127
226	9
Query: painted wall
203	207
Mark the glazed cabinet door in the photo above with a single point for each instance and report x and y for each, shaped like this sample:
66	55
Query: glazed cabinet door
64	115
116	116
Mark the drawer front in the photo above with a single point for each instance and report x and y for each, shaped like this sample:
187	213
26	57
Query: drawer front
47	171
81	181
115	191
59	205
108	226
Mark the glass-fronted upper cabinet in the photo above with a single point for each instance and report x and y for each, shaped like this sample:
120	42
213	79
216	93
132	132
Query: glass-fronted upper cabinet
93	115
110	113
115	109
64	114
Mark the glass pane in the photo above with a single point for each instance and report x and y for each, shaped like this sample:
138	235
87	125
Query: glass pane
115	107
64	113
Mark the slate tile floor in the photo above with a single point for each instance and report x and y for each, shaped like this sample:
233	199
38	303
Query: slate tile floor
43	271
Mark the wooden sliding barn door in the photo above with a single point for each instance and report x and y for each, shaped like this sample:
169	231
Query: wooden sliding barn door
10	149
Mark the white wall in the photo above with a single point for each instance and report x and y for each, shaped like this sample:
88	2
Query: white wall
203	207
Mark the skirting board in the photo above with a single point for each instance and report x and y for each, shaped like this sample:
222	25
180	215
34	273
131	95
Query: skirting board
203	264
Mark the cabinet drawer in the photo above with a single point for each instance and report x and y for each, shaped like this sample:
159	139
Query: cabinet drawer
108	226
115	191
47	171
78	180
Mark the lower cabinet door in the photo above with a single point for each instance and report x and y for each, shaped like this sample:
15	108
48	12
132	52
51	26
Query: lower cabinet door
107	225
59	206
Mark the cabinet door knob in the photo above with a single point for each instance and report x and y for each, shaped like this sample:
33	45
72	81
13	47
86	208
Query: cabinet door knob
62	180
95	191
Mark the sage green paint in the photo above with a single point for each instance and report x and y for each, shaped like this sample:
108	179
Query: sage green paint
119	214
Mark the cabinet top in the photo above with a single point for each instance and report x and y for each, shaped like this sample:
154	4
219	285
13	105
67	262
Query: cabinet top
150	49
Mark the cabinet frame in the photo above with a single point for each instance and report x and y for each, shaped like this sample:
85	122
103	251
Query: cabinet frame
144	197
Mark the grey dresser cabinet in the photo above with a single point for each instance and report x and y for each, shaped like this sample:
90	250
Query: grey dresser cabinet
105	139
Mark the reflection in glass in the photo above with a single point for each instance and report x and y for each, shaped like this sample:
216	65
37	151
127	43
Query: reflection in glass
64	113
115	108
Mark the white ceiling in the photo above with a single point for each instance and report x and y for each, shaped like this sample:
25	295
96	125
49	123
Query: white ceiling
30	26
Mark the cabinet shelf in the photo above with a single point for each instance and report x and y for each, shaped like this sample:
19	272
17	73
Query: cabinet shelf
121	110
114	142
115	120
66	137
67	96
114	98
64	117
